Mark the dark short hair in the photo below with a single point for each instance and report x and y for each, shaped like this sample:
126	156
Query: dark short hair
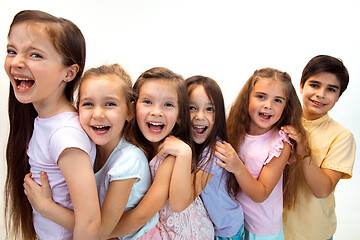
324	63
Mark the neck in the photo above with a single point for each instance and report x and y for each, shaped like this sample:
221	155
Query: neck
51	108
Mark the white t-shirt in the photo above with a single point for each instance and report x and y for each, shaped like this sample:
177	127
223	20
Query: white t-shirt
51	136
127	161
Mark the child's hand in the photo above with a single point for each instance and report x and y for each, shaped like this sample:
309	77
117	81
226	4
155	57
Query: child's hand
294	134
226	153
40	197
174	146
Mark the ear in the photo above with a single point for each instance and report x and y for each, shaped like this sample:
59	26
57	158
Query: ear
71	72
131	111
301	89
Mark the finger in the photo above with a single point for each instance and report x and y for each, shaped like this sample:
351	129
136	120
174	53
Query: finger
221	164
44	179
29	175
221	156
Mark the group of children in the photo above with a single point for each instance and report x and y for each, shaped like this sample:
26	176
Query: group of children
168	163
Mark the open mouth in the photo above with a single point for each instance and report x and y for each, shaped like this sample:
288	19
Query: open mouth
100	129
265	116
155	127
24	83
199	130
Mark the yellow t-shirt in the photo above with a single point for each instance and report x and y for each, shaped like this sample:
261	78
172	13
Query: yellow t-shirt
333	147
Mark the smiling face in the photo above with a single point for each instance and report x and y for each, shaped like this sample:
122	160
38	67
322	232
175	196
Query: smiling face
34	66
157	109
103	109
266	104
320	93
202	114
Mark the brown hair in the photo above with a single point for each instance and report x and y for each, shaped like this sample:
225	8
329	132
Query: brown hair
324	63
70	43
182	128
238	120
113	69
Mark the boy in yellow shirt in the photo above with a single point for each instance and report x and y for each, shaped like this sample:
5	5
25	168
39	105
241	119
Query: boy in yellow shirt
332	148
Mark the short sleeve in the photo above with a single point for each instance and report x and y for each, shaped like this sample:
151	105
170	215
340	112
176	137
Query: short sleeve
341	154
277	146
68	137
130	164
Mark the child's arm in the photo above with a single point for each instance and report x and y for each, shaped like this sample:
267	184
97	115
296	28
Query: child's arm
181	193
81	183
257	189
321	181
40	198
152	202
113	206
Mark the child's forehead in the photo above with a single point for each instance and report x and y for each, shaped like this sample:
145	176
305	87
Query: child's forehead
325	78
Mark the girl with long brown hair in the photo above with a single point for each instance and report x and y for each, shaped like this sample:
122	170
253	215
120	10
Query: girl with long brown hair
266	102
45	59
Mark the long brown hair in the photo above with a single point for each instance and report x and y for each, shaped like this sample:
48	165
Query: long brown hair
182	128
70	44
238	120
213	92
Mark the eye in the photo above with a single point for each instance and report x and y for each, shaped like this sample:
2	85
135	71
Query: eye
260	96
332	89
146	101
35	55
192	108
313	85
210	109
11	52
110	104
169	104
86	104
278	100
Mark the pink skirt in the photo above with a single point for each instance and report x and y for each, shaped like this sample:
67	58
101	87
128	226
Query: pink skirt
152	234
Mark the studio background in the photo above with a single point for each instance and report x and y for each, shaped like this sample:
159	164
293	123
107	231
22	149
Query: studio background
225	40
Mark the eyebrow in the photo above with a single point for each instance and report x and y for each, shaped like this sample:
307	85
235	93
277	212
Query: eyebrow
330	85
267	94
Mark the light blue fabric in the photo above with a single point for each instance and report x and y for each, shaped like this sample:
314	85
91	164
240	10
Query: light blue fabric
240	235
276	236
225	213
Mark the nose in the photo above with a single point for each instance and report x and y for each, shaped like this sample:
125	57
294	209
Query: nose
199	115
320	93
17	62
268	104
98	113
156	110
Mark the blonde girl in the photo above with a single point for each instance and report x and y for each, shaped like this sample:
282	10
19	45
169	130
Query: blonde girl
121	169
266	102
45	59
162	125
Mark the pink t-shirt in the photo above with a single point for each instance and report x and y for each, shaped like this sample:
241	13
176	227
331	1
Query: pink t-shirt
50	137
262	218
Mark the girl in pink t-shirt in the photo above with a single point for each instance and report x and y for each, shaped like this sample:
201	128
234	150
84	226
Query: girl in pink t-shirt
44	62
162	129
266	102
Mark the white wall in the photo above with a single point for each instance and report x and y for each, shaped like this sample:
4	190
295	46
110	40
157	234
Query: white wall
225	40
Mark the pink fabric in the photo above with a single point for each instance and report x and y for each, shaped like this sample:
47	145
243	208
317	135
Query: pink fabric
256	151
51	136
191	224
152	234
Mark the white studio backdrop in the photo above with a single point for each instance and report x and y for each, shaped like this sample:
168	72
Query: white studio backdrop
225	40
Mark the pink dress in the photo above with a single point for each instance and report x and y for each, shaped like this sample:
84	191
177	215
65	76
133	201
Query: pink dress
191	224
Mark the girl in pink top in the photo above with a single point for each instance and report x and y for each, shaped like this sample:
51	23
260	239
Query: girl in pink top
266	102
44	62
162	129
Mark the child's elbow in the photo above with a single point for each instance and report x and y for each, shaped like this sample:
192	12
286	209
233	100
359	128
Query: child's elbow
322	194
177	206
